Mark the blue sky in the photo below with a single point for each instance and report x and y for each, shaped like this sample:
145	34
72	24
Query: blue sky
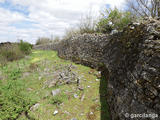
8	5
30	19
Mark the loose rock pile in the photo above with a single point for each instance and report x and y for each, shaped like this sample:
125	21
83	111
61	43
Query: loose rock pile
67	76
64	75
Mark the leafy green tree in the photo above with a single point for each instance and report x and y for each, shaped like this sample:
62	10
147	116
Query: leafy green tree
113	19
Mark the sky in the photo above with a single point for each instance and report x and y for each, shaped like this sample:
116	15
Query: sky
31	19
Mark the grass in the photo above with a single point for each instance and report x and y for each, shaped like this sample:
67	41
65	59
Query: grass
27	77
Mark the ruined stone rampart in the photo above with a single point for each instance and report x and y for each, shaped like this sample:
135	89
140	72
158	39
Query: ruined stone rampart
132	59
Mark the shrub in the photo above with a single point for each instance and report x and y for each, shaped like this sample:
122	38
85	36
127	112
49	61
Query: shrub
25	47
43	40
14	51
11	52
113	19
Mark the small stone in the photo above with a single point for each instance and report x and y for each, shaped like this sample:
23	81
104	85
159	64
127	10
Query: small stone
136	23
82	98
91	113
55	92
66	112
114	32
55	112
110	23
82	114
73	119
52	84
39	78
29	89
97	80
75	96
35	107
80	88
131	28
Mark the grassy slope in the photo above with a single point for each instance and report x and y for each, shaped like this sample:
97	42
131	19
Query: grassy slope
34	69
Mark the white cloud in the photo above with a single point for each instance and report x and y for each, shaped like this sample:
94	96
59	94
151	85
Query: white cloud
1	1
50	16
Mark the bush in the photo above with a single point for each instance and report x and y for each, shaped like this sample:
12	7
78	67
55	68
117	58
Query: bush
25	47
11	52
43	40
14	51
113	19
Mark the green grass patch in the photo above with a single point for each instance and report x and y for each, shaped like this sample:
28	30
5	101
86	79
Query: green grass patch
24	86
13	98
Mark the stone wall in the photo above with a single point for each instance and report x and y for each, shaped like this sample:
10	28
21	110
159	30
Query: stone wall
86	49
132	61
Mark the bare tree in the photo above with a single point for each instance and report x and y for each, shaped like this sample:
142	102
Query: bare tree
88	22
144	8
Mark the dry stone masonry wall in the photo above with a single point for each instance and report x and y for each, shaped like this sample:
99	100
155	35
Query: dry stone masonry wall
133	61
86	49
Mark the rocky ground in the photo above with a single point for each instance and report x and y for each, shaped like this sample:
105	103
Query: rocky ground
61	89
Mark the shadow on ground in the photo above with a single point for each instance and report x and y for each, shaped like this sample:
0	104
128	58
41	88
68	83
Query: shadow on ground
103	94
